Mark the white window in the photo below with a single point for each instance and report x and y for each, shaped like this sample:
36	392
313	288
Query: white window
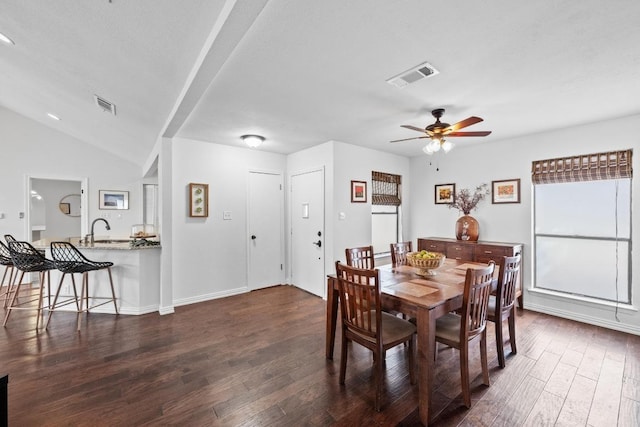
582	229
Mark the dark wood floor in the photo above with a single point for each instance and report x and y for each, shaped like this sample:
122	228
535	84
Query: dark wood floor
258	360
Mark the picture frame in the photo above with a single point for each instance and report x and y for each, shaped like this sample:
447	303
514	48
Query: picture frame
445	194
505	191
198	200
113	199
358	191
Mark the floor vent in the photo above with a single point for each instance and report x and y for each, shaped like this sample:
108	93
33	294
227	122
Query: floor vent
105	105
413	75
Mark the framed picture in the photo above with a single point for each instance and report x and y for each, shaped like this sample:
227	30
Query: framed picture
358	192
111	199
198	200
505	191
445	194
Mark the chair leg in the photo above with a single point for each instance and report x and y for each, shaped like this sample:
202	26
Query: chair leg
379	373
84	297
40	299
113	292
464	373
483	358
512	330
412	359
343	358
16	290
55	300
499	340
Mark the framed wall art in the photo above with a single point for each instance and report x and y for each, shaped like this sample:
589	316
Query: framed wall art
111	199
358	192
198	200
445	194
505	191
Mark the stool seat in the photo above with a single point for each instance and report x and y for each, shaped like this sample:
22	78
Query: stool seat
69	260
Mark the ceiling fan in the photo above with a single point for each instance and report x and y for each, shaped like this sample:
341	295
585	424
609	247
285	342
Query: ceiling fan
438	130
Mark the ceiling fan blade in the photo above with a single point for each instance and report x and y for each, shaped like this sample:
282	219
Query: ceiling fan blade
478	133
409	139
413	128
462	124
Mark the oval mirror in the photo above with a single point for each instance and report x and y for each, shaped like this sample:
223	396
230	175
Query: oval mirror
70	205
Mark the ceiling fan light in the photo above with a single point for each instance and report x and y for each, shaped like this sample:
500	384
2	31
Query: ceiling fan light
435	145
253	141
447	146
427	149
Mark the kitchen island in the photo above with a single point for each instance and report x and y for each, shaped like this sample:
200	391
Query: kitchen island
136	274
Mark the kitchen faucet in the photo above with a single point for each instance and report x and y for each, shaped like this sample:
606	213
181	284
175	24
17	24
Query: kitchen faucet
106	224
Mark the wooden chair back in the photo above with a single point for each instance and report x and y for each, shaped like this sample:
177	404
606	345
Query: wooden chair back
361	257
399	252
507	282
475	301
360	300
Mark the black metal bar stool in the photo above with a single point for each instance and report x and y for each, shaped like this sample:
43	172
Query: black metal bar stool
28	259
69	260
7	262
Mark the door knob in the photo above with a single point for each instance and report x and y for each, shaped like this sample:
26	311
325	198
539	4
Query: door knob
253	237
318	243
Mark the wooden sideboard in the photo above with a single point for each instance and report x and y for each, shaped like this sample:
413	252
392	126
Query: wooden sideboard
479	251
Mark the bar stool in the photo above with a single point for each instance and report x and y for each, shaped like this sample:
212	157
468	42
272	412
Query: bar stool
28	259
7	261
69	260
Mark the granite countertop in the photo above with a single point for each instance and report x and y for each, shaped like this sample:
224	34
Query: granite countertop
110	243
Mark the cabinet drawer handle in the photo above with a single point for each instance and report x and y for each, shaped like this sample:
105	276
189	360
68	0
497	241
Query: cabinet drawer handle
458	249
432	246
488	252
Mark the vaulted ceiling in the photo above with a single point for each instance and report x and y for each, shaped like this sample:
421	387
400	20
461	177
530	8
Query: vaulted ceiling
303	72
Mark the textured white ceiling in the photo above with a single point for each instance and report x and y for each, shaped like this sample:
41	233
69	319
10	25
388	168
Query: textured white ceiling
303	72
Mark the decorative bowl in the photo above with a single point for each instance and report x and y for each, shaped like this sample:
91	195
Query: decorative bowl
426	262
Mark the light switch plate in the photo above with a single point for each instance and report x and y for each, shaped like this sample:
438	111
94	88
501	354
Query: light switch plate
226	215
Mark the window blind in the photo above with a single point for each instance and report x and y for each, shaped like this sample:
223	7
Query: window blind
587	167
385	189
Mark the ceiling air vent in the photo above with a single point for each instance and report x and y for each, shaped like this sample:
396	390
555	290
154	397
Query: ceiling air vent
105	105
413	75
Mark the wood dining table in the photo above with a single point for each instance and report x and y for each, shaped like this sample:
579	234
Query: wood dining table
426	298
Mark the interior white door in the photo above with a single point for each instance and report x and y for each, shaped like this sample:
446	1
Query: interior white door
265	230
307	232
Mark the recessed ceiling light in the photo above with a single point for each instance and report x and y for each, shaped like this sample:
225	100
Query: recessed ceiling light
253	141
6	39
53	116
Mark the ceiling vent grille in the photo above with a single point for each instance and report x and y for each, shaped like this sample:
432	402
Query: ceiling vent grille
105	105
418	72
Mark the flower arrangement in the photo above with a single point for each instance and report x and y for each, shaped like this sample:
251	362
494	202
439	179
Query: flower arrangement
466	202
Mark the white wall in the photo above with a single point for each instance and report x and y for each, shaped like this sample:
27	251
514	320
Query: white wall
31	149
470	166
209	255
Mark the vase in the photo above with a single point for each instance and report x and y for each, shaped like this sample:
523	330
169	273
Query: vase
467	228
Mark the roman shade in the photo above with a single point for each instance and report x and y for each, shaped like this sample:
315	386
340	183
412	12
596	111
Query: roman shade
587	167
386	189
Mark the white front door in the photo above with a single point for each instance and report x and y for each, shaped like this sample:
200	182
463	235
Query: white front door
307	232
265	230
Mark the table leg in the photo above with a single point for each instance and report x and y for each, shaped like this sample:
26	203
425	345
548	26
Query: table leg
332	315
426	322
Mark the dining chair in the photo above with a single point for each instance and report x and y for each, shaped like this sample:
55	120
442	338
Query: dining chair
7	262
458	330
28	259
399	252
361	257
364	322
69	260
502	306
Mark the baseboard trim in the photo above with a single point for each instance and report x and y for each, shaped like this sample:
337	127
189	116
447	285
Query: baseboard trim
622	327
207	297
